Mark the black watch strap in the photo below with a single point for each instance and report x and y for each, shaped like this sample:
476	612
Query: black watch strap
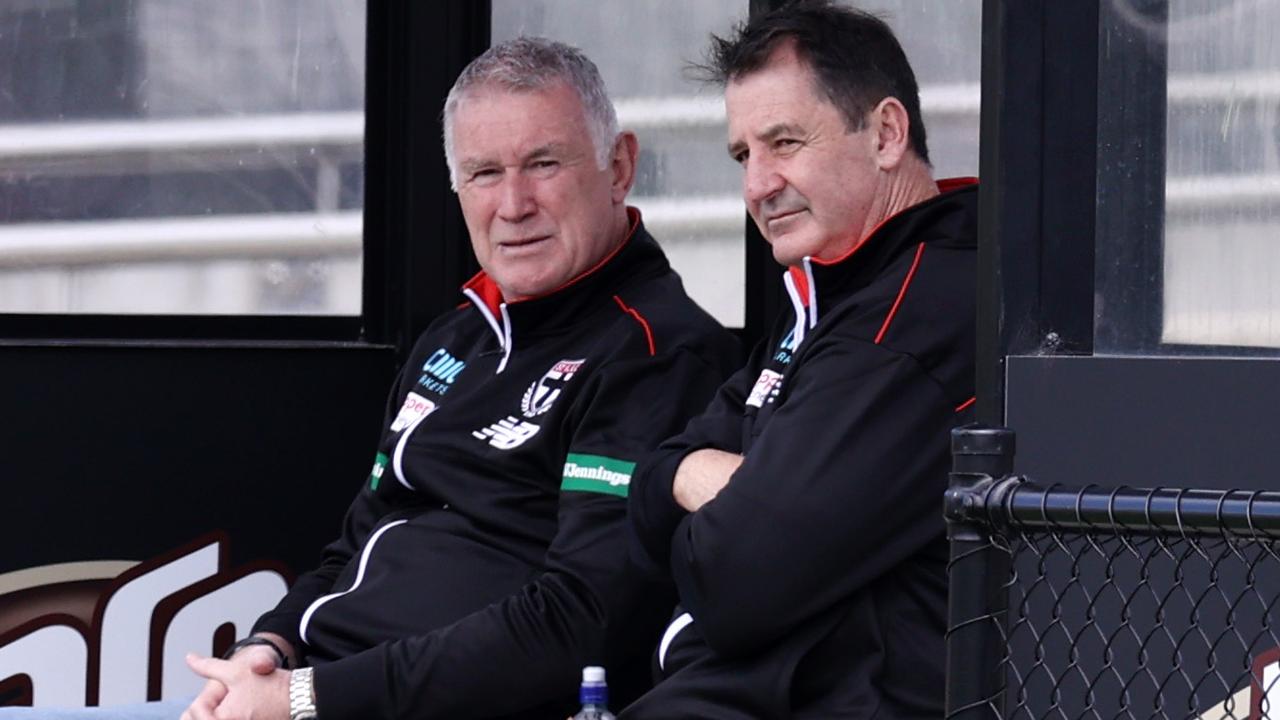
257	640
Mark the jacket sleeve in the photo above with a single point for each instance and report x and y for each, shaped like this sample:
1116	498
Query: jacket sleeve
529	648
369	506
652	511
844	483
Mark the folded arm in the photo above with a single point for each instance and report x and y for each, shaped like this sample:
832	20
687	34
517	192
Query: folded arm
844	483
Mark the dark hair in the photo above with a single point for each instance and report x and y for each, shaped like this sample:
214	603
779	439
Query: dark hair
855	58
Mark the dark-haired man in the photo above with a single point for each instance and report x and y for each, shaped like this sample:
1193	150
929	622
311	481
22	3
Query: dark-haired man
800	514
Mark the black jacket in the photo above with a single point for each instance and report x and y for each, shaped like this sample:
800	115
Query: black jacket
815	580
484	561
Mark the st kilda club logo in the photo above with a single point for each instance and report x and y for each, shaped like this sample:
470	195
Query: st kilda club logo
541	394
106	633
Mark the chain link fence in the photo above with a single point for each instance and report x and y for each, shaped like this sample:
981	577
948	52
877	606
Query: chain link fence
1091	603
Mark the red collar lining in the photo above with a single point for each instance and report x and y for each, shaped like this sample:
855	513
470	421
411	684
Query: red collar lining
801	280
945	185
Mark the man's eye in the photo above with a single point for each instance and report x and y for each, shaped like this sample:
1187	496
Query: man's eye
545	164
740	157
785	143
483	176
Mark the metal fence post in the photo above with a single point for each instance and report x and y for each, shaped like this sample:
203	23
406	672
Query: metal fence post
978	573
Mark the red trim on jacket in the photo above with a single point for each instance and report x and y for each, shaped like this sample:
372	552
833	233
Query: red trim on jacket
962	406
488	290
648	332
901	293
945	185
801	279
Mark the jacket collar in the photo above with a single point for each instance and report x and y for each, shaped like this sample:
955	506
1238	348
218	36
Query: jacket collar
816	284
590	292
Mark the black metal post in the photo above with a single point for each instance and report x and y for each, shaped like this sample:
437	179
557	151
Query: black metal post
978	574
416	248
1131	164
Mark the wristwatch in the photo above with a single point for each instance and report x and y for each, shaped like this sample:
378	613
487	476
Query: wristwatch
302	703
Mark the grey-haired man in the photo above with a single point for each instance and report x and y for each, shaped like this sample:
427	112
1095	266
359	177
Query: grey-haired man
484	561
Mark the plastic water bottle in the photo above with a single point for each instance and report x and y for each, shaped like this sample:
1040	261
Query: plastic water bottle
594	695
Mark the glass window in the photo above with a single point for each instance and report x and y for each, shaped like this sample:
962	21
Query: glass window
687	187
1202	178
1222	196
943	42
181	156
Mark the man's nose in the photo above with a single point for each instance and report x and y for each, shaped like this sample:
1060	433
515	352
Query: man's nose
761	181
517	201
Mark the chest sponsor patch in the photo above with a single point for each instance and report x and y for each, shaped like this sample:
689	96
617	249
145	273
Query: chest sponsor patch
543	393
375	475
786	348
598	474
766	389
439	371
414	409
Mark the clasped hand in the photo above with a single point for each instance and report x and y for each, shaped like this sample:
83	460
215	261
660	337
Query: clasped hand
249	686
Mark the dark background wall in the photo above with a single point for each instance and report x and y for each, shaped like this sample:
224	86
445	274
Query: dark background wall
123	452
1141	421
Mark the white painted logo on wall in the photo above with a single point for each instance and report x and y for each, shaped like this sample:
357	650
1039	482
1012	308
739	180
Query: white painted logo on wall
144	622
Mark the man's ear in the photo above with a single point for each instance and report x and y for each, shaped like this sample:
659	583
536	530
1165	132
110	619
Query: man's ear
623	164
893	132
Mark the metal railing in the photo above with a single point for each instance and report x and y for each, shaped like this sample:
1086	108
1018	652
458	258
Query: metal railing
1107	603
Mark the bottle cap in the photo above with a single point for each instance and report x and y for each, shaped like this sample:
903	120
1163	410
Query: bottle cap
593	674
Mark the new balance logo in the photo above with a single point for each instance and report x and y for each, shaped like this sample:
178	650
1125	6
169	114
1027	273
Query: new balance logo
508	433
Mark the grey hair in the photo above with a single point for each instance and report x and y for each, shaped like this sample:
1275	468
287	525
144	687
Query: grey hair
531	63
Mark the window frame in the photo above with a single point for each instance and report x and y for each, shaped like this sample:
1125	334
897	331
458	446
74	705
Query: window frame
1039	108
415	247
413	52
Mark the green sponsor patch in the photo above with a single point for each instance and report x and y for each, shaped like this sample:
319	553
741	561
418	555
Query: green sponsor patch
375	475
598	474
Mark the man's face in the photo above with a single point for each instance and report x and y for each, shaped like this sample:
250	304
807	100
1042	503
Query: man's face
808	182
538	209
